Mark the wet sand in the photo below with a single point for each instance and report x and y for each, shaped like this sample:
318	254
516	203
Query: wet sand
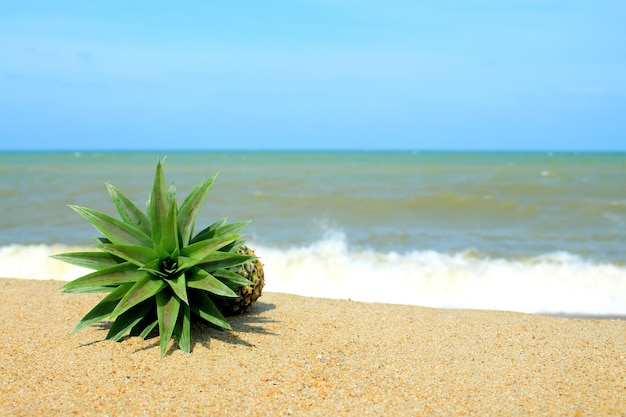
294	355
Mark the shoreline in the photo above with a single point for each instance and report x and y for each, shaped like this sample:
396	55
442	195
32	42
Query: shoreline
574	288
294	355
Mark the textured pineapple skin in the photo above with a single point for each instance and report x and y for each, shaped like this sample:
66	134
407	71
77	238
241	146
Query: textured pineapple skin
253	271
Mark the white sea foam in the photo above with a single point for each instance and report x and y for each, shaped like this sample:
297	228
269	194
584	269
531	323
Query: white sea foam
558	283
34	262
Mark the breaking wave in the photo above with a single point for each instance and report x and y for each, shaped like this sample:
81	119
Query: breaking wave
554	283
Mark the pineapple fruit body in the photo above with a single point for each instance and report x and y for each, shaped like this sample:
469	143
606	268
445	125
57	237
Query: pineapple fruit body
248	295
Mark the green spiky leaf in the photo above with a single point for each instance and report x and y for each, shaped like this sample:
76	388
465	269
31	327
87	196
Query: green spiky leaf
128	211
190	207
169	233
167	311
207	310
202	280
103	309
209	231
198	252
158	204
231	279
179	286
170	195
137	255
146	325
115	230
182	331
126	321
232	228
90	260
142	290
218	260
220	228
112	276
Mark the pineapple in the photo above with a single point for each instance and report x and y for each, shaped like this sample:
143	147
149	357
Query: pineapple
248	294
157	273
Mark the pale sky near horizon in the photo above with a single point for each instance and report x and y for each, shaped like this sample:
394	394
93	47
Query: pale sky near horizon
313	74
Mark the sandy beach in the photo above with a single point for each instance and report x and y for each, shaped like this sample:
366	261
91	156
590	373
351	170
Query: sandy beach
295	355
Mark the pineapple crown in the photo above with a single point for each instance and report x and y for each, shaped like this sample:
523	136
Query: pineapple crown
155	270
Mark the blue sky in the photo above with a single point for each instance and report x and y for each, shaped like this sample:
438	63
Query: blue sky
313	74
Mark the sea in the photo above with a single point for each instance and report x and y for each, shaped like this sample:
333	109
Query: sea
536	232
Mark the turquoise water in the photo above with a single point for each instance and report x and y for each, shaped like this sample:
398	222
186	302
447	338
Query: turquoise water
439	216
500	204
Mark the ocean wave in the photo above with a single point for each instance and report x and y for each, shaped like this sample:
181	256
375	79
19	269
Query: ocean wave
554	283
